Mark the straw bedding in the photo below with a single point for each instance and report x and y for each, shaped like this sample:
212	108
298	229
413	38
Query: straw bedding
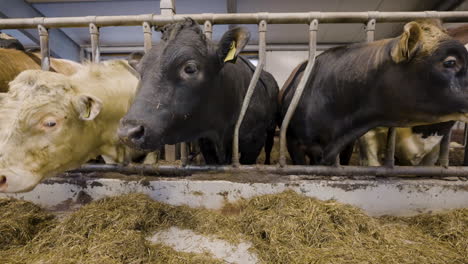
283	228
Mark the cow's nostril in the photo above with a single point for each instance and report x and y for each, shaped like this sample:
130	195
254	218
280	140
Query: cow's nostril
3	180
136	132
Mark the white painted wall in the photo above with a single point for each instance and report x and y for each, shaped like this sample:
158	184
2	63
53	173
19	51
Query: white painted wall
281	63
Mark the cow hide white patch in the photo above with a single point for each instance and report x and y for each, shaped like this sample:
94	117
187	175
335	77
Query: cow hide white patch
188	241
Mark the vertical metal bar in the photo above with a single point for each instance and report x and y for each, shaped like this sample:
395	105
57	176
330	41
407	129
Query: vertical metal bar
208	29
183	153
370	30
391	135
445	150
45	51
465	134
262	29
167	7
148	36
390	149
465	141
94	33
300	88
337	160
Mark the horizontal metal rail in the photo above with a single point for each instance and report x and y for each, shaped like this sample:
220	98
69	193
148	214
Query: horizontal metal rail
239	18
168	170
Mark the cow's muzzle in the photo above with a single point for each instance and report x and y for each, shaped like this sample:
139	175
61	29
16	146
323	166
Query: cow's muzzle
132	134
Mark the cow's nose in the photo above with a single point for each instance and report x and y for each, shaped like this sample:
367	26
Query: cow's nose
3	182
131	132
136	132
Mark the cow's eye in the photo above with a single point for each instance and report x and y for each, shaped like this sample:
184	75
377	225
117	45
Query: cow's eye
190	68
49	123
450	62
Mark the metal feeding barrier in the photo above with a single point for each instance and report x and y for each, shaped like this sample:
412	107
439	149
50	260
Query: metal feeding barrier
262	20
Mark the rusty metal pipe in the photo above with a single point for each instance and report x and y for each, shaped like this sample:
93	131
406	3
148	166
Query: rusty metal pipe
382	171
262	28
300	88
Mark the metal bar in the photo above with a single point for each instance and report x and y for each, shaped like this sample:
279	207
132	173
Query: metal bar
45	51
300	88
208	29
167	7
148	36
262	28
94	33
370	30
238	18
390	148
183	153
445	150
391	135
382	171
465	141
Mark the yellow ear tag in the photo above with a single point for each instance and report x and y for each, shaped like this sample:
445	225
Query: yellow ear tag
231	52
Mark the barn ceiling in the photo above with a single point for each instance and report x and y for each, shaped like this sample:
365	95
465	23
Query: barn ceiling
277	34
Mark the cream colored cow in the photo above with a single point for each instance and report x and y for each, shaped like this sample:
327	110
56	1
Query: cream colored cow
50	122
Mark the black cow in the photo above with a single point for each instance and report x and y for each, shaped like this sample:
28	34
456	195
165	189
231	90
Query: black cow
416	78
192	89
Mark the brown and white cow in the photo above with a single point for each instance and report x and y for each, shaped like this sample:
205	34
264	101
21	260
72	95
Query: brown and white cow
13	61
50	122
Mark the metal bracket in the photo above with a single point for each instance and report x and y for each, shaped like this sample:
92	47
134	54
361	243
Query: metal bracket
262	26
370	30
208	29
313	25
148	36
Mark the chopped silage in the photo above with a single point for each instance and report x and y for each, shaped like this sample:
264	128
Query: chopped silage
283	228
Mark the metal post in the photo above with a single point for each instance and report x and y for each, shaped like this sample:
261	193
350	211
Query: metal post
148	36
300	88
445	150
390	149
370	30
208	29
94	33
262	28
183	153
465	144
167	7
45	51
391	135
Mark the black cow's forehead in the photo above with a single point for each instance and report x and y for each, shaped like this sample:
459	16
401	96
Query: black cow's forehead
187	44
451	47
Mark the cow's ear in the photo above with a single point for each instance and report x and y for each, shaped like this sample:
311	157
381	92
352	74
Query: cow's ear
87	106
134	59
408	43
232	43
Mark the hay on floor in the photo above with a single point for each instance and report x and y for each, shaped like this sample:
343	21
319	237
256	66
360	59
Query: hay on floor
283	228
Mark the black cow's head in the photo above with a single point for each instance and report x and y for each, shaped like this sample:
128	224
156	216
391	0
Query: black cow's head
178	81
427	76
